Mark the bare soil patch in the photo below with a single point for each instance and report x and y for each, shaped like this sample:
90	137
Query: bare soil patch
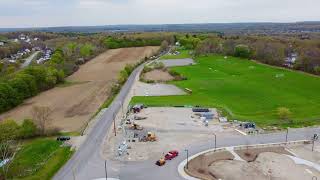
199	166
251	154
74	105
158	76
268	165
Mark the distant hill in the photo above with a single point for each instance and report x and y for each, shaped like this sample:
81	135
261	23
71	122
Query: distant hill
228	28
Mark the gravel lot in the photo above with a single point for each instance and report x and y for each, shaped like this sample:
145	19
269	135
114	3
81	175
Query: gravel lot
175	128
158	89
178	62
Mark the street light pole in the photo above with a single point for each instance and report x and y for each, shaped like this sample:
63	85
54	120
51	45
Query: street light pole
105	169
114	124
215	141
187	157
315	137
287	135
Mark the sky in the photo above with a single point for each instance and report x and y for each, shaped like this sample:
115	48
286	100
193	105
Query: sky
50	13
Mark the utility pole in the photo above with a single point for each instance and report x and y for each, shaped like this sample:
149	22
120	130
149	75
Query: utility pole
114	125
215	141
287	135
314	138
105	169
187	157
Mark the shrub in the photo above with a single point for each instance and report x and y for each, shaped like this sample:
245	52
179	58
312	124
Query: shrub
146	69
28	129
9	130
242	51
86	50
159	65
283	113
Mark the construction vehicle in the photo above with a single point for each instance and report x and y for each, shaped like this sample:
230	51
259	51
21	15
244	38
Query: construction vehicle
161	162
151	136
135	126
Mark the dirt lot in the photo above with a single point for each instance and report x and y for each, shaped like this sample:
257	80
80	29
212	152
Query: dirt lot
267	166
262	164
74	105
158	76
175	128
198	167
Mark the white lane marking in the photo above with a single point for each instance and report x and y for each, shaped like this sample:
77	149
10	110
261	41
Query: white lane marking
310	172
241	132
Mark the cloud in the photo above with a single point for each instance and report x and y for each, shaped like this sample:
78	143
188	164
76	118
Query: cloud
18	13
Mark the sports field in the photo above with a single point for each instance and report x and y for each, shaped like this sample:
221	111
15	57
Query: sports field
246	90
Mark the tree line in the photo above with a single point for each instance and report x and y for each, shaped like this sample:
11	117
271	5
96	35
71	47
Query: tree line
122	42
268	50
16	87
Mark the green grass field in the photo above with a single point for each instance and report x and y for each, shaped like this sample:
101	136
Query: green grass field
183	54
247	91
39	159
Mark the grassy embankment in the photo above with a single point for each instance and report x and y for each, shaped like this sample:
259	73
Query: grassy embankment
39	159
247	91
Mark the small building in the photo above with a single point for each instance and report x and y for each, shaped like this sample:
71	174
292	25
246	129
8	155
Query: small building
291	59
2	43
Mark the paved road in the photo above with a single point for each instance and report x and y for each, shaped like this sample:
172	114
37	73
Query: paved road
29	59
147	169
86	162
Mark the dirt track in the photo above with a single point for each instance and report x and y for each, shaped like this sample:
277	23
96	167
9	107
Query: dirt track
74	105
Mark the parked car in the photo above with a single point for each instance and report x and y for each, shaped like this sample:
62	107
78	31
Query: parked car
63	138
171	155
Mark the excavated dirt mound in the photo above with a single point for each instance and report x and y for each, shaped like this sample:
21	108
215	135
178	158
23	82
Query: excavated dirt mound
251	154
268	165
75	104
158	76
199	166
